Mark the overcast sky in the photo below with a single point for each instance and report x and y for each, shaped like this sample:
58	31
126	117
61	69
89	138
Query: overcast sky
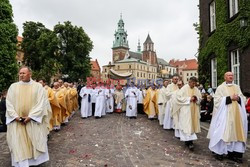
169	22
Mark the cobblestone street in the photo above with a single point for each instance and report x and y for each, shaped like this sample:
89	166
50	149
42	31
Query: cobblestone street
118	141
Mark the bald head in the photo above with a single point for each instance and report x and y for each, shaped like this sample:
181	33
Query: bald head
56	85
66	84
229	77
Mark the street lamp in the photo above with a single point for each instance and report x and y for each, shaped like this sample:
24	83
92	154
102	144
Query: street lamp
243	22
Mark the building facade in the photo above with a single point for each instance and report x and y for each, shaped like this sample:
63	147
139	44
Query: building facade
141	64
165	70
185	68
20	53
95	69
224	42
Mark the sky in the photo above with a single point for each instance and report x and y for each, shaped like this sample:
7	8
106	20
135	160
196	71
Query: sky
168	22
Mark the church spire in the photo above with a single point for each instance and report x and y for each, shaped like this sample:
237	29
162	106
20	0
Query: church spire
120	35
148	44
139	46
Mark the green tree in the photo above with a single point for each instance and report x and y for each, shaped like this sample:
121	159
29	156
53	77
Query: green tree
8	41
74	48
40	46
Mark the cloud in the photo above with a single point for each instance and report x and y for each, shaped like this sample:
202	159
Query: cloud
169	22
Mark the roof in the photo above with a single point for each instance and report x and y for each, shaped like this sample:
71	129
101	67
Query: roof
187	64
129	60
118	75
95	65
135	55
162	61
148	40
19	38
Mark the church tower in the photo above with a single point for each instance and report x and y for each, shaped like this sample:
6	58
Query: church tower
148	53
120	44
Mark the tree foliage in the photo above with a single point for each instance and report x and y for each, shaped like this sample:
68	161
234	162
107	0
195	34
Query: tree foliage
227	32
62	51
8	41
74	49
40	46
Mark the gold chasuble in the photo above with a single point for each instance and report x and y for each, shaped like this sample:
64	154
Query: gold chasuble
61	96
60	108
50	97
73	103
150	108
194	113
26	141
56	109
74	97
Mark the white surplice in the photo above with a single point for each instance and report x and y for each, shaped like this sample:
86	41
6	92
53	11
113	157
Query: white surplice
100	105
86	107
132	98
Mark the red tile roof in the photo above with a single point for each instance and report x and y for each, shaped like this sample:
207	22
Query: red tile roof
187	64
95	65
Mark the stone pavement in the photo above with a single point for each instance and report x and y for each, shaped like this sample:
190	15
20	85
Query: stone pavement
116	141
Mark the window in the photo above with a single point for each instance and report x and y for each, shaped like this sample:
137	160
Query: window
195	74
191	74
214	72
235	66
105	70
233	7
212	16
141	74
187	74
187	79
144	75
129	66
180	73
148	75
118	67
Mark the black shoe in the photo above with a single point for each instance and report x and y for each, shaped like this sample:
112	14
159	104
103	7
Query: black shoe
191	147
235	159
219	157
97	117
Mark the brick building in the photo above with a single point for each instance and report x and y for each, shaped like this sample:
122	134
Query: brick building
224	41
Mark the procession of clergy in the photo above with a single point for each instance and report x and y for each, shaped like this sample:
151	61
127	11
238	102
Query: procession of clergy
33	110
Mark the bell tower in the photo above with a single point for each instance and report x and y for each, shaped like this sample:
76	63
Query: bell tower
120	44
148	53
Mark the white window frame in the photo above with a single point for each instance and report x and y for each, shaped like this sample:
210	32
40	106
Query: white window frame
235	65
214	72
212	16
233	7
